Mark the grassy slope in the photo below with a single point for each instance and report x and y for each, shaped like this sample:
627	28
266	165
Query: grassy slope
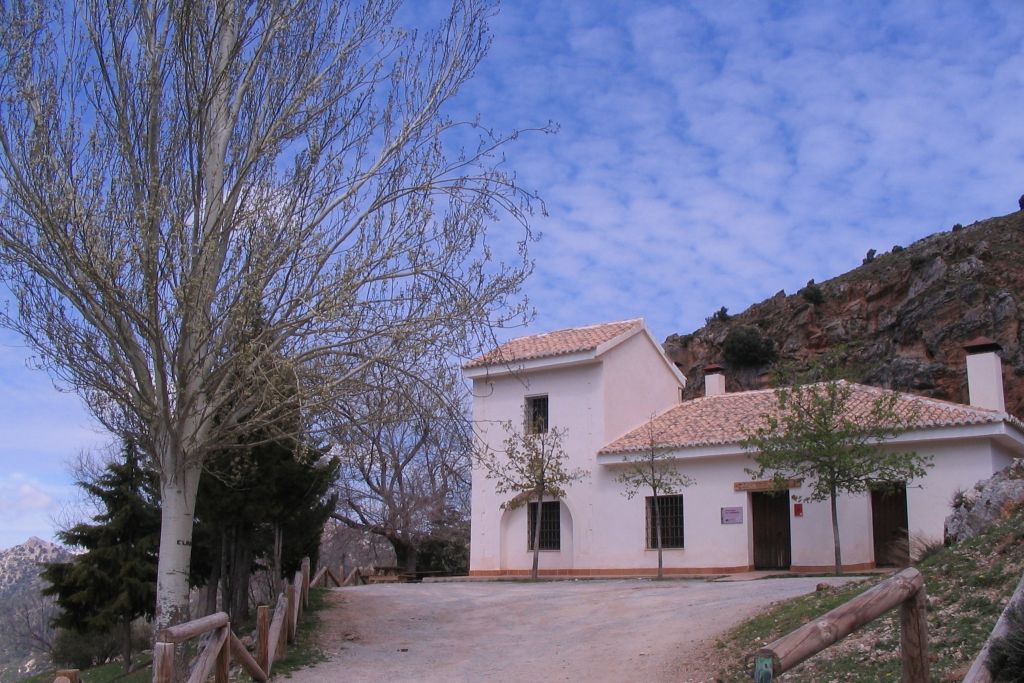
967	587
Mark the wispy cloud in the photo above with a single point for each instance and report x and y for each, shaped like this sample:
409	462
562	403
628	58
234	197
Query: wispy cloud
713	154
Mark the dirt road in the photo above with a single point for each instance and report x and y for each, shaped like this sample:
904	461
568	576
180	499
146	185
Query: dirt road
617	630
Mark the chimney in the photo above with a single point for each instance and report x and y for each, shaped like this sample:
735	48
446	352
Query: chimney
985	374
714	380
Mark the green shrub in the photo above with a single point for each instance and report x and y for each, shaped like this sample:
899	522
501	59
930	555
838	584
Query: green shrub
813	293
448	556
83	650
721	315
870	256
746	347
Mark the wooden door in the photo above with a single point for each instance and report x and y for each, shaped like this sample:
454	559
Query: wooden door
889	525
770	519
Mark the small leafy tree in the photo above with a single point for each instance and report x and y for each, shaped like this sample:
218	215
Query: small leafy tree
817	436
653	471
532	467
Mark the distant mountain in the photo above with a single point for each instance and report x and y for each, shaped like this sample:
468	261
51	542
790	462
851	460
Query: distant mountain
19	566
897	321
24	610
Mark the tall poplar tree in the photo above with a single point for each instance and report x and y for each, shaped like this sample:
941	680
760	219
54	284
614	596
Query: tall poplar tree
164	164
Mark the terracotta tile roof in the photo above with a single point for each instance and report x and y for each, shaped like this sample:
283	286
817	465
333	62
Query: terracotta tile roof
725	419
558	343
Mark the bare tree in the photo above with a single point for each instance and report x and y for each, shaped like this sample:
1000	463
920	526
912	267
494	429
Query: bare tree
405	449
167	166
654	470
532	467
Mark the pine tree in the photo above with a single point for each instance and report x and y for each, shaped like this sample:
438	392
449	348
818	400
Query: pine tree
114	581
252	497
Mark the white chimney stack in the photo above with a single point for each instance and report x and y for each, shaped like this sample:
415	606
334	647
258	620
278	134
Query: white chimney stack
714	380
985	374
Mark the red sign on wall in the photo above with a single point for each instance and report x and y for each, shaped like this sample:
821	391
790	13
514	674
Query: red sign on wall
798	509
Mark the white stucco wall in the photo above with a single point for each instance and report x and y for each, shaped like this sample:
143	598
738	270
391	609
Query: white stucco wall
637	385
574	406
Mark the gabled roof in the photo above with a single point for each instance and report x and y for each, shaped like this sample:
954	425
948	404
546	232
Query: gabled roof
726	418
558	343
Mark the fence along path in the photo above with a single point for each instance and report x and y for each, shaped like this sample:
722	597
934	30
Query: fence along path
273	635
979	671
904	589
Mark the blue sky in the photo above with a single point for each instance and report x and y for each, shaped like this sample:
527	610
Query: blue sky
709	154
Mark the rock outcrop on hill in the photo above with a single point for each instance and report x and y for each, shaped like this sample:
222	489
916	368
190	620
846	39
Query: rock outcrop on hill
989	502
898	321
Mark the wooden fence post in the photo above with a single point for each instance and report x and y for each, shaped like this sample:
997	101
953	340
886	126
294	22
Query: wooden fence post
223	666
290	620
73	675
914	637
282	641
163	662
263	636
905	586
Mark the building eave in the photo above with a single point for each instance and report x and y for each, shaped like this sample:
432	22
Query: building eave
531	365
1005	432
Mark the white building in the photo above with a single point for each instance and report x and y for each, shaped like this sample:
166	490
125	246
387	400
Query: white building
610	385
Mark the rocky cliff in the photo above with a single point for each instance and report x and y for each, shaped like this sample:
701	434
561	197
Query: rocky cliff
898	321
25	615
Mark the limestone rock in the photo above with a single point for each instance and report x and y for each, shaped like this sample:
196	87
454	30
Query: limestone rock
987	503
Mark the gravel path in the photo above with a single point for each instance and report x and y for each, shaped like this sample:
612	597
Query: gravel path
615	630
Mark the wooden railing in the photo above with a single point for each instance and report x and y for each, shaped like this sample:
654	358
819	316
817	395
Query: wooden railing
979	671
905	589
273	635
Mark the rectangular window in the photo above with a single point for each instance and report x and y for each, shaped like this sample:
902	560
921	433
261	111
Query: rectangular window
536	414
671	510
550	526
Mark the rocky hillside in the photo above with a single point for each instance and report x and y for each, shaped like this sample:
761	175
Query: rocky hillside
898	321
25	615
19	566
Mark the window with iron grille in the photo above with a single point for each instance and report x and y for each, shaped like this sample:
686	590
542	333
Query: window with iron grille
536	414
550	528
671	509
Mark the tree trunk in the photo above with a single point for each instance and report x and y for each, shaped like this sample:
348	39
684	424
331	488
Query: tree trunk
657	531
241	571
227	553
835	536
177	506
126	645
278	550
535	571
405	554
213	583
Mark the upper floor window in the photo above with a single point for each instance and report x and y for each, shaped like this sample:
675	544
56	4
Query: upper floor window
536	414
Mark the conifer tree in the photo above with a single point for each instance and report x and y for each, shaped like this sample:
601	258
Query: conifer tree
114	581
